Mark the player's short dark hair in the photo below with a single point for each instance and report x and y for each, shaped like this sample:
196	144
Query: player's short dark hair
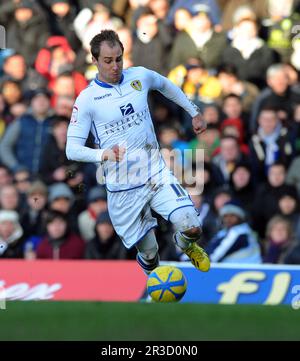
110	36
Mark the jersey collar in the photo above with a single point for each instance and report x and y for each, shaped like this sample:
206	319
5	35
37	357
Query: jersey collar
107	85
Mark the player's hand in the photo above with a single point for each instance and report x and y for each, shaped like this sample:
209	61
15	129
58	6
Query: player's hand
199	124
115	154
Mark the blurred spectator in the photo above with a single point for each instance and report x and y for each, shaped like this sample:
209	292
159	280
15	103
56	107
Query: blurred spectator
12	93
152	43
233	116
15	68
196	6
199	40
209	141
248	52
236	241
209	212
11	235
23	139
267	196
229	155
56	63
279	26
160	8
278	93
54	165
242	186
196	82
288	206
60	242
270	143
62	199
61	17
33	220
106	244
232	10
22	181
5	176
293	175
126	38
97	204
9	198
26	28
63	106
279	237
91	20
231	84
182	18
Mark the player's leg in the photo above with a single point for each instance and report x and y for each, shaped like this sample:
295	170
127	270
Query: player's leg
173	203
147	256
187	236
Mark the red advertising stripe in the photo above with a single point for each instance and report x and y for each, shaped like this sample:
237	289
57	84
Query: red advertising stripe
72	280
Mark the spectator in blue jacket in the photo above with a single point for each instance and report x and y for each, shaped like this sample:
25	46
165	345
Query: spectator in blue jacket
235	242
22	143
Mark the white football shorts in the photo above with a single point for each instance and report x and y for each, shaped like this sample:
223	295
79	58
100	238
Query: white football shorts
130	210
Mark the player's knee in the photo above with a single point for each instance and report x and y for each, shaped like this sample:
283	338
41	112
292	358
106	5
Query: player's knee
186	220
149	254
193	233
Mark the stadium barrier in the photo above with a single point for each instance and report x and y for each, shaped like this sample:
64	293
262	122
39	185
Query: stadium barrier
124	281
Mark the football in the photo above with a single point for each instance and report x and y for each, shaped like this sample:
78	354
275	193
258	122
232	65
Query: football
166	284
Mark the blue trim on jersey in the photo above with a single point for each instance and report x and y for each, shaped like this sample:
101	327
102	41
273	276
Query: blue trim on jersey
187	205
99	143
123	190
106	85
74	136
148	230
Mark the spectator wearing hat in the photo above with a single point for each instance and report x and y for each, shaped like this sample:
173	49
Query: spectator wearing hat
11	235
106	244
199	40
26	27
194	6
60	241
236	241
97	204
62	199
208	209
22	143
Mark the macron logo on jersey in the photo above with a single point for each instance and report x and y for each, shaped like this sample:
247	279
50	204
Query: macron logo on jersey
103	96
127	109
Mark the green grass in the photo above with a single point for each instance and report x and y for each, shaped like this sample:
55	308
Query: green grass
143	321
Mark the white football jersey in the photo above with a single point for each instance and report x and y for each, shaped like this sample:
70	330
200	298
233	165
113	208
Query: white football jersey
119	114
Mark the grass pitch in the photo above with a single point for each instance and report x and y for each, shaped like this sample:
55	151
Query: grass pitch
99	321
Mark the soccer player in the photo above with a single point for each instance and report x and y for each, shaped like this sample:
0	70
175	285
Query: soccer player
114	108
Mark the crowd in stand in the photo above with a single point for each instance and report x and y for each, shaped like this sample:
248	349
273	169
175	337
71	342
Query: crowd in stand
239	61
